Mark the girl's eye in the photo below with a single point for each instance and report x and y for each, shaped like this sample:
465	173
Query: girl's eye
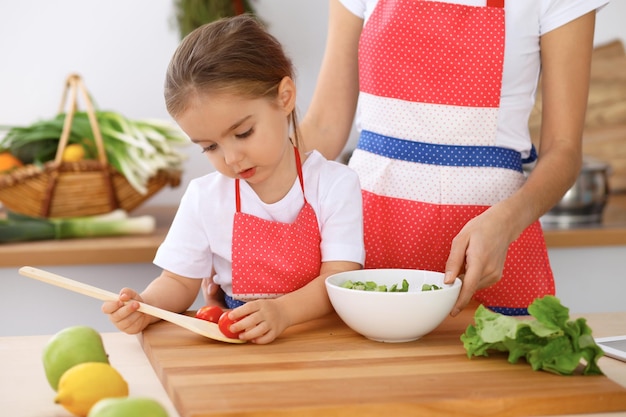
209	148
245	134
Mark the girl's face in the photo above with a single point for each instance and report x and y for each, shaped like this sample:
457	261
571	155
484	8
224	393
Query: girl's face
242	137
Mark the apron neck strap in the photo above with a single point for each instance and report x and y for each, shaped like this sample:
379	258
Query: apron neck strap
495	3
298	167
237	198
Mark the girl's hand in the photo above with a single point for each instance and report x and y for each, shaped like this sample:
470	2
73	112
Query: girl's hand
212	293
260	321
123	312
478	251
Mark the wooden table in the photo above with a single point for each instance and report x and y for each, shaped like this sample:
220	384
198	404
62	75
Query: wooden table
136	249
322	368
24	391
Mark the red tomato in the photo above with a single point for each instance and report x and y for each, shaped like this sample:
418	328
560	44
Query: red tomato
224	325
209	313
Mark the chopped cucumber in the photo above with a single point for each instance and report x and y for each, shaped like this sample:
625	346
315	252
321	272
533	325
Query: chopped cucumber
372	286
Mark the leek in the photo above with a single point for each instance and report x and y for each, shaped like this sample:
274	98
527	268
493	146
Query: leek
137	149
20	228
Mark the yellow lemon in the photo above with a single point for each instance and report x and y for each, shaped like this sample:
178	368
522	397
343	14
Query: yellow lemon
83	385
73	152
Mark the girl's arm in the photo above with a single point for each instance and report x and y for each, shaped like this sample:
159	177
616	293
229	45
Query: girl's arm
262	321
169	291
328	120
313	295
482	244
172	292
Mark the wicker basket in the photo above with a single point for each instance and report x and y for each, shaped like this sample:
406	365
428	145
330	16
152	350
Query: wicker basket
82	188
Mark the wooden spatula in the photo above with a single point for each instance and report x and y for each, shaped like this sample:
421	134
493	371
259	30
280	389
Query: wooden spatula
201	327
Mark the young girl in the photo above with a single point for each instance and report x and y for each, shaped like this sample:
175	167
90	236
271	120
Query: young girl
272	223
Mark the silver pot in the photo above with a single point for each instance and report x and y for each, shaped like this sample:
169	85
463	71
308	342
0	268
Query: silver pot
584	202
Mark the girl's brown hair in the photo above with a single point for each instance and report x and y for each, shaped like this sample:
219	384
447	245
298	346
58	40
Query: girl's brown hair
234	55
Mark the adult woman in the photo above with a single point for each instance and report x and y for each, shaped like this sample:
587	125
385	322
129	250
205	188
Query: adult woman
444	90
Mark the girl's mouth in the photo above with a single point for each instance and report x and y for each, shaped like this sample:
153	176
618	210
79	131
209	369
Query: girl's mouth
247	173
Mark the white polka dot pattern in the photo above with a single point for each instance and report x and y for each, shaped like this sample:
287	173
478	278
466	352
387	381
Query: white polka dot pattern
272	258
433	52
433	183
427	122
407	234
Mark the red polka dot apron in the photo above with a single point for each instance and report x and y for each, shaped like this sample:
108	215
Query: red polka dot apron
272	258
430	79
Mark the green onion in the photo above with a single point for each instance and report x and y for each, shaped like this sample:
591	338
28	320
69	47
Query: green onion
137	149
19	228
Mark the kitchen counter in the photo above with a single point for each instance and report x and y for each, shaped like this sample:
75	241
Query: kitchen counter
25	392
141	249
611	232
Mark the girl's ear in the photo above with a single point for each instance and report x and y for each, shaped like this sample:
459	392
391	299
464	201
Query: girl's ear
287	95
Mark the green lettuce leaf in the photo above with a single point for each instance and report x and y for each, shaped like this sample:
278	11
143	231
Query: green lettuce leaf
547	341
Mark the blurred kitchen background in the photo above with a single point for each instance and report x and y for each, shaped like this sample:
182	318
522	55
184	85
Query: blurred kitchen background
122	48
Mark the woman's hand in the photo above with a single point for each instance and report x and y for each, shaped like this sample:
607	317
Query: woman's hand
479	252
123	312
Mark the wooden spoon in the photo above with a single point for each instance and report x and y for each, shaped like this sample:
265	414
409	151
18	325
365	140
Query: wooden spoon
201	327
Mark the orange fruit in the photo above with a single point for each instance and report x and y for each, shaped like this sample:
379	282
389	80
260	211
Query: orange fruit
8	161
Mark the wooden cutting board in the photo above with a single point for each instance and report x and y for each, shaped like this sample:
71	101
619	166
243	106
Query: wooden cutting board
322	368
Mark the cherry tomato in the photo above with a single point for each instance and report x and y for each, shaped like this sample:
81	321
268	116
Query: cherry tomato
224	325
209	313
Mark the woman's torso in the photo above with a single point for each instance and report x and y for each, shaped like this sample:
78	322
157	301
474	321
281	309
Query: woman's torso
525	22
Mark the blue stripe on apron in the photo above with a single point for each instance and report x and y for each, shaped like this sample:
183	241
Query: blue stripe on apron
443	155
231	302
509	311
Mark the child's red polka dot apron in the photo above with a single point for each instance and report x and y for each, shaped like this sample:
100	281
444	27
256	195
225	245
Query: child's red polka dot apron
272	258
430	78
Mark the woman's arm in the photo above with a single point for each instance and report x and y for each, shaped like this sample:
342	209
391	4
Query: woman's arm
328	120
566	63
482	245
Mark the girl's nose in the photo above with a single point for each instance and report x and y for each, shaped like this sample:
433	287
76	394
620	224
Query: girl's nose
232	155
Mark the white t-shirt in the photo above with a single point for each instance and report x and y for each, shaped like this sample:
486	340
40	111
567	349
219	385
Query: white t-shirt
200	238
525	22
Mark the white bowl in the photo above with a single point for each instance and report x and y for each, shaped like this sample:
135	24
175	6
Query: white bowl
392	316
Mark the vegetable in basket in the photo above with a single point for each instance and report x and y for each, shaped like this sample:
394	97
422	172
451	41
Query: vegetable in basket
137	149
8	162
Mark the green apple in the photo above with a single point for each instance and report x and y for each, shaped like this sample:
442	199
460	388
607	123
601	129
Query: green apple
71	346
127	406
